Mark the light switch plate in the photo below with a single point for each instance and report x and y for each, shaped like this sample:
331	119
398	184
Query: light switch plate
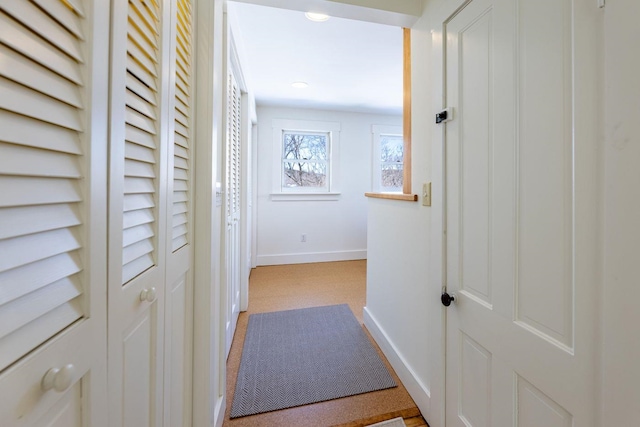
426	194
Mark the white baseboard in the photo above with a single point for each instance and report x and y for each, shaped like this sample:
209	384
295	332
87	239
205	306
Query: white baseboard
305	258
417	390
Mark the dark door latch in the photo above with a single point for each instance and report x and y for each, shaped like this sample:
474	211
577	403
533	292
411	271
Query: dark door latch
444	115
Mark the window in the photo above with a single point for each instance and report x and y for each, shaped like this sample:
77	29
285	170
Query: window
306	162
388	159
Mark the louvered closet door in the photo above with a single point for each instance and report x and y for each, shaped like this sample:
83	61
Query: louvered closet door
232	207
53	81
138	210
179	276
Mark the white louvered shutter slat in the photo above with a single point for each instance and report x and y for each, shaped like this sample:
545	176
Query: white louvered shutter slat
63	14
32	46
182	135
21	130
42	139
141	133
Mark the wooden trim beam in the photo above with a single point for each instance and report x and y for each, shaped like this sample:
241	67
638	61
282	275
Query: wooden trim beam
406	110
393	196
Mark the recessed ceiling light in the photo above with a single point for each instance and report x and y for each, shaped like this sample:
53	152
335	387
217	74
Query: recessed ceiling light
300	85
316	17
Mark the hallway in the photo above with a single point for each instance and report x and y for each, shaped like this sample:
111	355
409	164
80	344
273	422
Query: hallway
286	287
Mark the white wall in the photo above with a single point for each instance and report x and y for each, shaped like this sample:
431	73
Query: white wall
621	204
400	290
337	229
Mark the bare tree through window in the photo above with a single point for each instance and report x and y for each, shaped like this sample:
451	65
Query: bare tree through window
305	159
391	161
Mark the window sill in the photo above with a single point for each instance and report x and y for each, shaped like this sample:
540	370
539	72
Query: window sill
393	196
303	197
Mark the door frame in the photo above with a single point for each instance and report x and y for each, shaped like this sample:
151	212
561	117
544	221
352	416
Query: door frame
437	328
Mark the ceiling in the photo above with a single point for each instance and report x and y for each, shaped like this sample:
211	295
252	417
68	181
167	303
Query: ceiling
349	65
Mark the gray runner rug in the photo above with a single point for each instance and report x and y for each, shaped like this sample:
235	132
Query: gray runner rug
296	357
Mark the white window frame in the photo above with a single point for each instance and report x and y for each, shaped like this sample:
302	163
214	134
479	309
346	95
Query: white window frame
378	131
330	192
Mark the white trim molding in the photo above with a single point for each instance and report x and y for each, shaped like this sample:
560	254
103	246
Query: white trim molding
417	390
312	257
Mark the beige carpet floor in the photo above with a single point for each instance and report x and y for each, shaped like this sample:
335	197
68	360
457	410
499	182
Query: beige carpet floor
285	287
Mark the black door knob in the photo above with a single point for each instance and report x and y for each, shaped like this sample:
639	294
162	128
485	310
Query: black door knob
447	299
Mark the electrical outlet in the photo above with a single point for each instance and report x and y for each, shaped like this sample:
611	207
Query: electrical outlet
426	194
303	238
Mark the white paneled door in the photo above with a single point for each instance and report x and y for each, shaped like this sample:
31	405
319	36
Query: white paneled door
150	214
233	200
53	105
520	213
179	274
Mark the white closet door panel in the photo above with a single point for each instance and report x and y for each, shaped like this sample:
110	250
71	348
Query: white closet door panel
133	202
17	98
181	140
180	174
178	242
137	70
28	220
136	48
138	120
139	137
137	234
34	247
21	130
33	306
49	270
179	208
136	86
138	185
37	191
182	107
139	32
53	82
179	219
137	217
67	412
180	197
179	231
180	151
139	169
42	24
140	105
18	160
148	14
181	163
136	250
32	46
64	15
136	267
138	152
181	129
182	118
180	186
16	345
182	97
28	73
181	83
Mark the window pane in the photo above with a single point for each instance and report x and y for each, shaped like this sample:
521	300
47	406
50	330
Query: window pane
305	146
391	176
391	148
304	174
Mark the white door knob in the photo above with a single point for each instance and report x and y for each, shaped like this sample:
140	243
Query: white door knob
59	379
148	295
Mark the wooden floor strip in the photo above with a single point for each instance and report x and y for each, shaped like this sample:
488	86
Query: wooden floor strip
405	414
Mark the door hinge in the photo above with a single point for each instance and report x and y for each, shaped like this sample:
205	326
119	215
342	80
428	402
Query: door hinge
445	115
